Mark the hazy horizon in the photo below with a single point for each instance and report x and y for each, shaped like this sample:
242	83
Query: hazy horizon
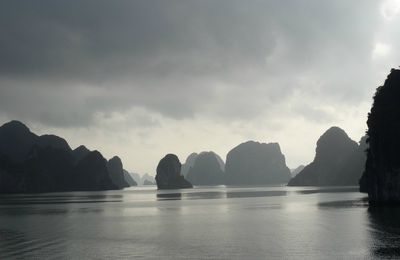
140	79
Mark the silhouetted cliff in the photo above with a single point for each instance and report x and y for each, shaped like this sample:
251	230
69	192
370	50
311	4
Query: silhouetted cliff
353	168
114	167
206	170
31	163
16	141
80	152
338	161
129	179
297	170
91	173
169	174
254	163
188	164
146	177
381	179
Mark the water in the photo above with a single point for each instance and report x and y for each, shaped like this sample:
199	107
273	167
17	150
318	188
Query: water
203	223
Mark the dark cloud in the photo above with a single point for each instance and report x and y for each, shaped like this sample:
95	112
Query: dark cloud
63	62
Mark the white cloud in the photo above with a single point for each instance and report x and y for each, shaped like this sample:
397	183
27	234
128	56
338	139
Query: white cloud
390	9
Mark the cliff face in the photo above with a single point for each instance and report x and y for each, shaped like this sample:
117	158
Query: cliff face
206	170
334	148
188	164
381	179
116	171
297	170
169	174
91	173
254	163
148	179
80	152
16	141
129	179
31	163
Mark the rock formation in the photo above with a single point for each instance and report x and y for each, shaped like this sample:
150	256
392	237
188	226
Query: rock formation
16	140
137	178
169	174
91	173
31	163
129	179
353	168
254	163
297	170
53	141
188	164
334	148
146	177
114	167
206	170
80	152
381	179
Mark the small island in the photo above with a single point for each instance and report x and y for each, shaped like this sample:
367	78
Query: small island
169	174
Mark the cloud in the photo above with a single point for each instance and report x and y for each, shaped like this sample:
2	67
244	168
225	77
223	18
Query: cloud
178	58
147	66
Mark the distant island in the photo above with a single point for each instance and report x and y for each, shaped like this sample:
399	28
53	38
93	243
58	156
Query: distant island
30	163
339	161
254	163
207	169
250	163
169	174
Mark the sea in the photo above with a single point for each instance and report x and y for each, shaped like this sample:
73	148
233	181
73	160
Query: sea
266	222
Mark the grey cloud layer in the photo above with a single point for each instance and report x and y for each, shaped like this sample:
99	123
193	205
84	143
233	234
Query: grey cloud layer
61	62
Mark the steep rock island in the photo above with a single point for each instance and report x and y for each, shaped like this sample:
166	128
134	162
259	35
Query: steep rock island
30	163
339	161
169	174
381	179
254	163
207	170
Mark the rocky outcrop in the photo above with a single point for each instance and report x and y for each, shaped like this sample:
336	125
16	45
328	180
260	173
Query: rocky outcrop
116	172
31	163
147	178
254	163
129	179
80	152
53	141
297	170
169	174
91	173
206	170
334	148
381	179
353	168
16	141
188	164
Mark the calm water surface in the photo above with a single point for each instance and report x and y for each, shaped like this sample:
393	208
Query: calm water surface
203	223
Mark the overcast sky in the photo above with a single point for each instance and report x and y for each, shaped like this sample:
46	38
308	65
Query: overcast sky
140	79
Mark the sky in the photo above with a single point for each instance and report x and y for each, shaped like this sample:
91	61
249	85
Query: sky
143	78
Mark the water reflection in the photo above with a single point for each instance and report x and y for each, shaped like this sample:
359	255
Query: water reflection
51	204
39	199
327	190
169	196
358	203
385	231
202	223
224	194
